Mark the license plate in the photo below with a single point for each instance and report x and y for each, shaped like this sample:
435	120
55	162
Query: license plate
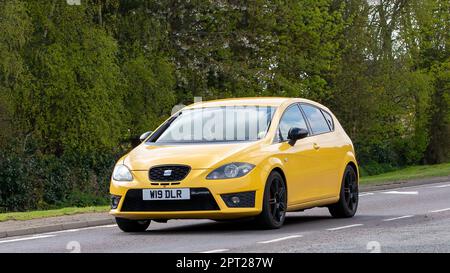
166	194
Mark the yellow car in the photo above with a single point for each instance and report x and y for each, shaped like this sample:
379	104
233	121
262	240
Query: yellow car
237	158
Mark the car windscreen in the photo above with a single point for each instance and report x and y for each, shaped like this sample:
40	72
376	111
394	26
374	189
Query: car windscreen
218	124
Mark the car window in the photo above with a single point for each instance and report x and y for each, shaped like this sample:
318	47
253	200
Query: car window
329	119
292	117
217	125
316	119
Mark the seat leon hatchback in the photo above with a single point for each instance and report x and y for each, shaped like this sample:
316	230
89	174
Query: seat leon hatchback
254	158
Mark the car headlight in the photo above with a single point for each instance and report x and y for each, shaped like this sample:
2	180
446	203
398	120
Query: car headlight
122	173
232	170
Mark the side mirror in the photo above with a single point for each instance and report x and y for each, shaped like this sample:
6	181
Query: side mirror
145	135
296	134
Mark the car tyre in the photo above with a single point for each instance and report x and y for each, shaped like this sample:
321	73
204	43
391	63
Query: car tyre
348	198
128	225
274	203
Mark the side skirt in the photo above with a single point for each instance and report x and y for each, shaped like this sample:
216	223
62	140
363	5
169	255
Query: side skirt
312	204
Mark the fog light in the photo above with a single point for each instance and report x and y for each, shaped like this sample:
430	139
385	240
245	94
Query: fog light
239	199
115	200
235	200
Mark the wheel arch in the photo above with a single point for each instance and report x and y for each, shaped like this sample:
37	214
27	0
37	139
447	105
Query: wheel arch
274	164
350	160
281	172
355	168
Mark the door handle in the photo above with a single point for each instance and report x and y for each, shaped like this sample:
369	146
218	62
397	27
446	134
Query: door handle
316	146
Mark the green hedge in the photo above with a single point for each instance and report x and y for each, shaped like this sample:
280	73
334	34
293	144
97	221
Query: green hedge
34	181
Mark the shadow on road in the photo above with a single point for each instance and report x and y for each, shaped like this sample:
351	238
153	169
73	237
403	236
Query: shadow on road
211	227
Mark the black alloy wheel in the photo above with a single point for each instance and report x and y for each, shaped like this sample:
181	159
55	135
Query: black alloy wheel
349	196
351	190
274	204
277	200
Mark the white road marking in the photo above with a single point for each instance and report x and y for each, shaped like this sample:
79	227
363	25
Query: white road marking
281	239
366	193
27	238
79	229
423	186
52	233
398	218
215	250
349	226
441	186
440	210
402	192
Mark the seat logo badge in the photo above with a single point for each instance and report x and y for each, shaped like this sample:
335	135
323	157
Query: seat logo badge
167	172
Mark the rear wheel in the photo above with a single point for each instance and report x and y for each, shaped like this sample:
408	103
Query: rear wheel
274	203
128	225
348	198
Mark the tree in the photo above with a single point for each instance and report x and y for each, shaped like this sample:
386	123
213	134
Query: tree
74	102
16	28
148	74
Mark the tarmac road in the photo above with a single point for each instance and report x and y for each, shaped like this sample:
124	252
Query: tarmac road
413	219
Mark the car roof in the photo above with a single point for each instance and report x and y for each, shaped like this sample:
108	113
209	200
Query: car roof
256	101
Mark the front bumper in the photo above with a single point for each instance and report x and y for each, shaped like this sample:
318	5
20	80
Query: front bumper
218	206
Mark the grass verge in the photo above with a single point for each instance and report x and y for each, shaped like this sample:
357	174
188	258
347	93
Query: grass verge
28	215
409	173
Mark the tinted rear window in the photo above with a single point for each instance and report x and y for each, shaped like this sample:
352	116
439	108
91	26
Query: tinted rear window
329	119
317	121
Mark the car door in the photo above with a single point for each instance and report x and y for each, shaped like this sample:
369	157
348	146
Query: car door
300	160
326	152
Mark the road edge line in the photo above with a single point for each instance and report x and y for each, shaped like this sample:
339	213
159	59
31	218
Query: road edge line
56	227
403	184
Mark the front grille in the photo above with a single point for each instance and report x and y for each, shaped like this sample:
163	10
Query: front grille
201	199
246	199
165	173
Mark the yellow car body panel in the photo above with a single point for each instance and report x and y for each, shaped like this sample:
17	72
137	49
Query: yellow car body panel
313	168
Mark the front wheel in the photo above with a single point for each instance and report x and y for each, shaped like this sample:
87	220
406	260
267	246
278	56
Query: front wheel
128	225
348	197
274	203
